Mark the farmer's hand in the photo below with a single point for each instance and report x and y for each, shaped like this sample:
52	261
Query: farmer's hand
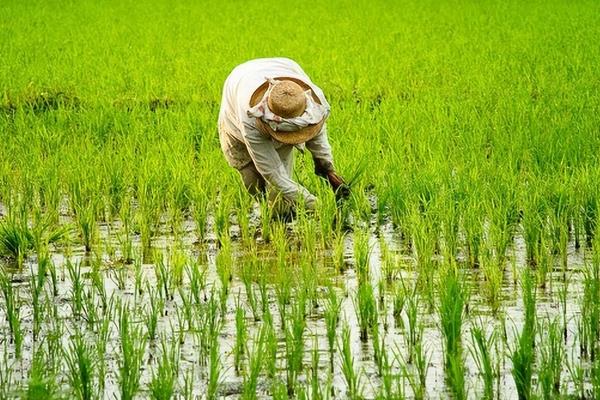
341	190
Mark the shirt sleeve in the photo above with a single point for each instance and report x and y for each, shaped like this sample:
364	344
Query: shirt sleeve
268	164
321	152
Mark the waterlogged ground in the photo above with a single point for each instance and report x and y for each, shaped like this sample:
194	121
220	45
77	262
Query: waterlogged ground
131	284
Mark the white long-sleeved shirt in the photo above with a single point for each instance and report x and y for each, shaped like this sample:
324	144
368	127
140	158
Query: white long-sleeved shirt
244	143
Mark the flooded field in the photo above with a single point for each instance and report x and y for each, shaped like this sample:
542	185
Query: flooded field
245	318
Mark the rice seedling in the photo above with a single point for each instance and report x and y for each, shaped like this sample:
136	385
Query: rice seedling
453	299
164	376
332	319
398	303
12	305
552	356
6	375
351	376
482	350
361	255
522	354
81	365
240	347
197	279
215	369
163	278
77	289
224	263
152	312
255	365
37	280
133	346
366	310
42	381
294	342
16	239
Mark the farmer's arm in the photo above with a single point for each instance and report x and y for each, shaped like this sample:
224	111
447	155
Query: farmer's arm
269	165
321	152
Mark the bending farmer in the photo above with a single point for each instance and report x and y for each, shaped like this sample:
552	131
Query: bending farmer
270	106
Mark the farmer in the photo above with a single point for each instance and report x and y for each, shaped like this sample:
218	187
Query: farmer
270	106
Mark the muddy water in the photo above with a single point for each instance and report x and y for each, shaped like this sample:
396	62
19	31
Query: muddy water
508	321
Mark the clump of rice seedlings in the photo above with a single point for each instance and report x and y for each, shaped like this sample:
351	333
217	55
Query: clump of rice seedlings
240	346
366	310
163	278
589	323
164	376
101	341
578	374
138	277
200	212
493	277
255	365
154	308
522	354
313	380
361	255
453	298
294	342
90	312
133	346
80	363
271	346
415	369
552	356
224	264
389	266
6	372
197	279
398	303
16	239
187	389
332	319
215	368
473	226
77	287
187	306
266	217
85	210
283	294
13	312
414	333
351	376
209	324
339	247
37	281
41	383
246	275
222	210
482	350
532	227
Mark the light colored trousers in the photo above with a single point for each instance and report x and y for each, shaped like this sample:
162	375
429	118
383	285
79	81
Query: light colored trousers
238	157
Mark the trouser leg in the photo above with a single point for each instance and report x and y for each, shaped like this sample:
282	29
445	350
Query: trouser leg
253	181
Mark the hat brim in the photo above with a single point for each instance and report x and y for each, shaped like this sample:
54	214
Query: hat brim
296	137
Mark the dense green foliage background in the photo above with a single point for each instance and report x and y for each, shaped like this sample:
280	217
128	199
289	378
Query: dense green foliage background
474	100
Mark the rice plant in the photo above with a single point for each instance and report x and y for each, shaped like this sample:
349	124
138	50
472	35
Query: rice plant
164	376
133	346
81	367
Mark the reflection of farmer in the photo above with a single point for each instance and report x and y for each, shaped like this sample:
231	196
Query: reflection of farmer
270	106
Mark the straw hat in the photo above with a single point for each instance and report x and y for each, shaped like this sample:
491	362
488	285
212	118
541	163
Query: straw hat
287	100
